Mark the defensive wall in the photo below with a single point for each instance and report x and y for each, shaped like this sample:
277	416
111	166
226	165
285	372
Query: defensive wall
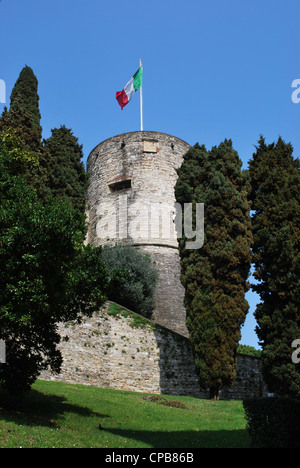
118	349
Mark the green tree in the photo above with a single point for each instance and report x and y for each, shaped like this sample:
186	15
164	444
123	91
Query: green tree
133	278
47	275
25	92
23	119
275	196
24	113
215	276
66	176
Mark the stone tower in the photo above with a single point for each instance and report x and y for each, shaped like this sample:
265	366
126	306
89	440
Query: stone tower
131	200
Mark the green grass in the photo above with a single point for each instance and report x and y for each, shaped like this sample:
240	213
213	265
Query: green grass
67	416
137	320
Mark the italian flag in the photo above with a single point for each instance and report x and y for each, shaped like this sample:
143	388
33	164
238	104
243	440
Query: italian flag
123	97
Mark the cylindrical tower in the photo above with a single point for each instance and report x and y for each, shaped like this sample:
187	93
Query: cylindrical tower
131	200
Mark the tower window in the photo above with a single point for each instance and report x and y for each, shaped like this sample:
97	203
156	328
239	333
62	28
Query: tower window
118	186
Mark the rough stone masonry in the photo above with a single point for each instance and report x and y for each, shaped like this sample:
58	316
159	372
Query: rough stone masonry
118	349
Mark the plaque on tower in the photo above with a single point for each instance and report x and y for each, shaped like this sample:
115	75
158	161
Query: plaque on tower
150	146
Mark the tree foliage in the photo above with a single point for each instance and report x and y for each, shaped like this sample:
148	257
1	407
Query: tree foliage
215	276
23	120
275	196
24	113
249	351
25	92
66	176
134	285
46	273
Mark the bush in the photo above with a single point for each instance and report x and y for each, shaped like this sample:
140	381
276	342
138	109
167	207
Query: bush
249	351
135	288
273	422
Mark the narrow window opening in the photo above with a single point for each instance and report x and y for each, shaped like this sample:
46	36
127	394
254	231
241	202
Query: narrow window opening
118	186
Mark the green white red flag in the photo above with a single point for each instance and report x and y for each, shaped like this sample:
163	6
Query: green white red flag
136	82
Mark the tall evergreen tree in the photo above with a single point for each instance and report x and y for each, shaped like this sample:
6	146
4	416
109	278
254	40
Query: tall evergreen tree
215	276
66	176
275	195
23	120
25	92
24	113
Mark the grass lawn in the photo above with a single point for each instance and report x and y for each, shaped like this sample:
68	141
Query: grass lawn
61	415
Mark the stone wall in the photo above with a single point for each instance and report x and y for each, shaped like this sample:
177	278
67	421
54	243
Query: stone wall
119	349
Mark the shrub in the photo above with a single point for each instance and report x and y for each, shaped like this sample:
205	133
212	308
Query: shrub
135	288
273	422
249	351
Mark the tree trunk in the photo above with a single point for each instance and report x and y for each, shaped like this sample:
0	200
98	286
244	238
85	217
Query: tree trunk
215	393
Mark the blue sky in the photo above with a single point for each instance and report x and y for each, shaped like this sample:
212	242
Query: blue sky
212	70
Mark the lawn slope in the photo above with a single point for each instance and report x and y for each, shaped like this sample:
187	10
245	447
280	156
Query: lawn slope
62	415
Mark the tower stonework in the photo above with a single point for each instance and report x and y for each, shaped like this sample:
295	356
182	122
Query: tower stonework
131	200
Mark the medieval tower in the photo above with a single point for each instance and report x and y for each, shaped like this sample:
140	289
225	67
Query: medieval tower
131	200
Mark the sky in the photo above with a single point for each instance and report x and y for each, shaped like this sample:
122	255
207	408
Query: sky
212	70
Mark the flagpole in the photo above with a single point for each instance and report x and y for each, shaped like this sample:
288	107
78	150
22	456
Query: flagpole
141	102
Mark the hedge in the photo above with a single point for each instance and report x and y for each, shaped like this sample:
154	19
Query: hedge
273	422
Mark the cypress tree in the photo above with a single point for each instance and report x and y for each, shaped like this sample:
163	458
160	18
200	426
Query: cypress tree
215	276
23	121
24	114
26	92
66	176
275	195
